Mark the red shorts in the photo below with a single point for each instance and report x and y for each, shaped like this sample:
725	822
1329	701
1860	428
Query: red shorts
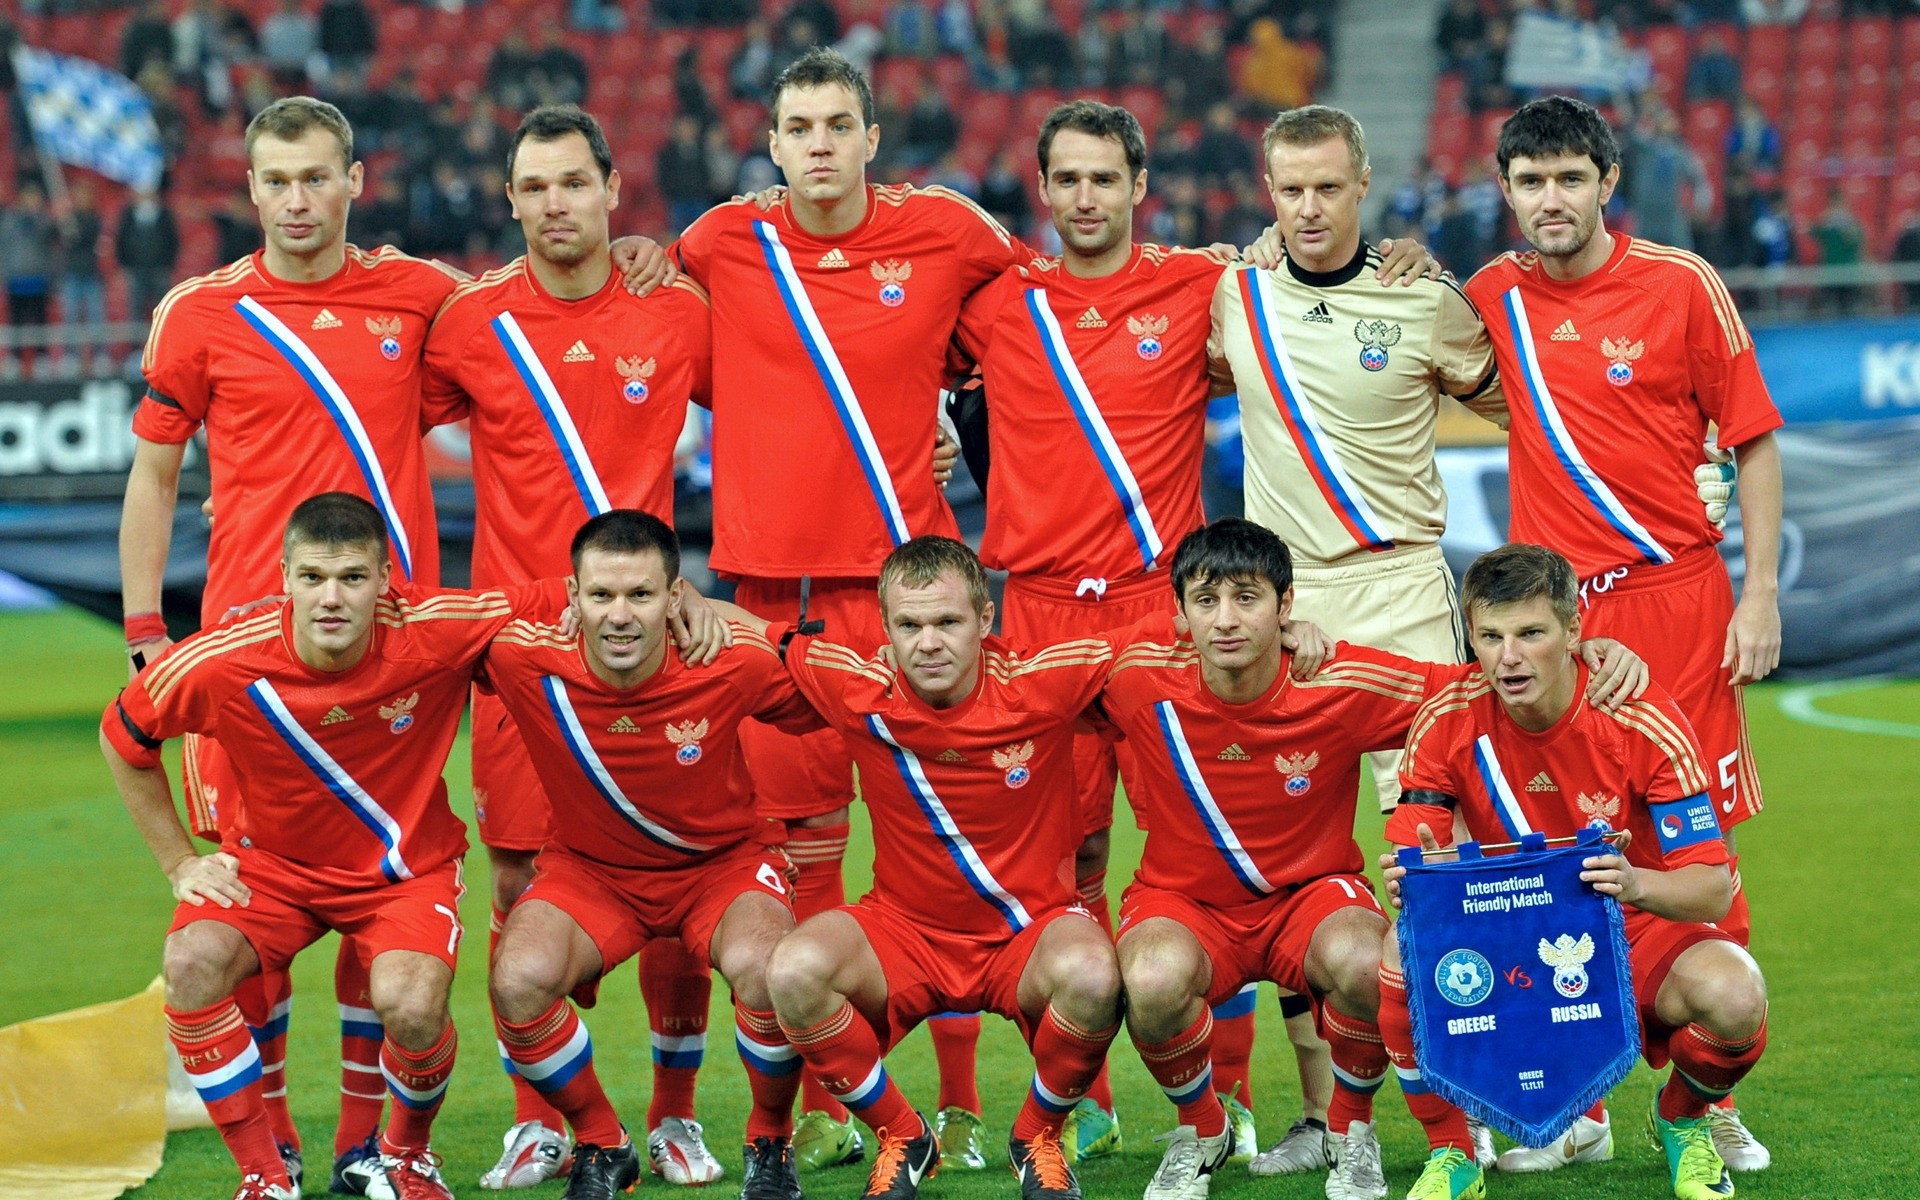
1038	612
1653	943
1676	616
295	904
509	804
931	971
1261	939
624	908
209	777
796	776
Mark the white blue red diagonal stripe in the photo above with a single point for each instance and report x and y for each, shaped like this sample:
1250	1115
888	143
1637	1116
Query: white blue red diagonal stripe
1565	452
1192	1089
556	1070
972	867
575	736
1113	464
813	335
1505	805
689	1050
864	1094
768	1060
1225	840
546	397
1049	1099
333	398
221	1080
334	777
1297	413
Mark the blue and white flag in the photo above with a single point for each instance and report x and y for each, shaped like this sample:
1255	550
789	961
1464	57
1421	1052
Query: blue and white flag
1519	985
90	116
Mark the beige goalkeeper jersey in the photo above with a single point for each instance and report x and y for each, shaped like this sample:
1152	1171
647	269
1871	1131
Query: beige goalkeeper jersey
1339	382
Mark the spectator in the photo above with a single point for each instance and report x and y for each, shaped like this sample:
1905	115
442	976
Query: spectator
1221	152
1734	245
83	293
288	40
1773	12
237	227
146	244
510	72
1456	242
1249	214
559	74
156	82
1659	172
954	25
1486	73
1036	46
1096	51
1003	191
1840	240
910	29
750	74
1279	72
596	16
147	38
862	46
1460	33
27	238
689	90
950	173
818	15
723	165
1140	48
1416	205
482	142
682	172
1714	73
932	129
1197	77
347	37
1906	249
1183	222
1753	142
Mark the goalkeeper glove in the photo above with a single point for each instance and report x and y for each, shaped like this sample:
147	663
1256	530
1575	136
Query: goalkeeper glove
1713	483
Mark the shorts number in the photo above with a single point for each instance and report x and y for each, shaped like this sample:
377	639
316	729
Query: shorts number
1727	766
771	878
453	939
1346	887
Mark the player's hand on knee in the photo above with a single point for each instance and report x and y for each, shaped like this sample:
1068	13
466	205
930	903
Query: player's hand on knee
1616	674
643	264
1309	645
1403	260
699	630
199	878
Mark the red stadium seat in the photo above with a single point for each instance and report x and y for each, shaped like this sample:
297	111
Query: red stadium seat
1450	93
1767	88
1148	105
1817	44
1815	87
1864	146
1871	41
1666	45
1903	195
1767	46
952	76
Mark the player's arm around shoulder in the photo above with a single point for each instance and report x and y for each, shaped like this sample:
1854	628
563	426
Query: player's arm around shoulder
1462	354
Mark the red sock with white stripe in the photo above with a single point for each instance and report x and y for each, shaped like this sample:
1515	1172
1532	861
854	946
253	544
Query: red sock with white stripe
844	1054
1359	1065
528	1104
363	1091
417	1080
1233	1044
1445	1124
678	989
1183	1067
1706	1068
554	1054
815	852
266	1000
773	1072
956	1043
1066	1058
221	1059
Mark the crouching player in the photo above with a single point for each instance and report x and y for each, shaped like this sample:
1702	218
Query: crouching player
338	708
1249	777
1520	715
654	836
965	752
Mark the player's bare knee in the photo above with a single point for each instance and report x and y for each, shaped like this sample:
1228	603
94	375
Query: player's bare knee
1086	981
524	985
415	1018
1159	992
800	978
1734	1001
1355	976
198	968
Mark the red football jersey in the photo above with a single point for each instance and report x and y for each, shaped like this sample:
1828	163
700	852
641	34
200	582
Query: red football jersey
1611	381
336	769
829	355
651	776
1244	800
575	407
975	814
303	388
1637	768
1098	395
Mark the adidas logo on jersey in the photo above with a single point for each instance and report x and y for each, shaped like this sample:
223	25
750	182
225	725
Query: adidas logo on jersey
327	320
833	258
577	352
1541	783
950	756
1318	314
1091	319
1566	332
336	714
1234	753
623	725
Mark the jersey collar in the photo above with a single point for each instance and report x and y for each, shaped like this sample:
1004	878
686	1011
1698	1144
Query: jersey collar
1335	277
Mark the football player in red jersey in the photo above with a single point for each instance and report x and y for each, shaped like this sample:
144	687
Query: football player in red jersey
654	835
336	710
1519	714
566	377
1617	353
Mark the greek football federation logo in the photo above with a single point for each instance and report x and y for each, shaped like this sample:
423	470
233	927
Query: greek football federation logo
891	274
686	735
1568	959
1374	338
387	329
1295	767
1621	356
1013	760
1464	977
636	373
1148	330
399	714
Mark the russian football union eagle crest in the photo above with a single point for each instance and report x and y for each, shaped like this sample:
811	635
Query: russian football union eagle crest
1568	959
1148	329
686	735
1013	760
1296	767
1374	338
636	373
1599	808
1621	356
387	329
891	274
399	714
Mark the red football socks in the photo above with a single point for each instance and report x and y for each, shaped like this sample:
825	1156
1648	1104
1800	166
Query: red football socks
677	989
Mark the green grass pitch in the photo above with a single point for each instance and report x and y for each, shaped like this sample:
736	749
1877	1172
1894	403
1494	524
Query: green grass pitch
1829	867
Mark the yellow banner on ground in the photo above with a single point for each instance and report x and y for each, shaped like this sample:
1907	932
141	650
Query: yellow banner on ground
83	1108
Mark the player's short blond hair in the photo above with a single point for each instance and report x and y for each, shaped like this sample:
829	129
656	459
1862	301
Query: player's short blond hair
290	118
925	560
1313	124
1518	572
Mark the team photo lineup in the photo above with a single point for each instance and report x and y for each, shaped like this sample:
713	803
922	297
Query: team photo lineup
668	776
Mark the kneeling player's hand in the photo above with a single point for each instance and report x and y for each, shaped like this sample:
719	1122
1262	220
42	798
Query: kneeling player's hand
199	878
1392	872
1615	673
699	630
642	264
1309	645
1611	874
